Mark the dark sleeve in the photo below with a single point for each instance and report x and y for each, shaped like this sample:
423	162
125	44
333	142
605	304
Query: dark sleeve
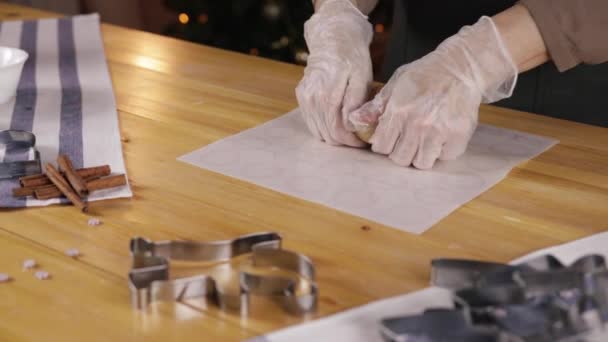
574	31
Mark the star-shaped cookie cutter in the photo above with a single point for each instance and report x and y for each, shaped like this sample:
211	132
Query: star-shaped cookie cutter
149	277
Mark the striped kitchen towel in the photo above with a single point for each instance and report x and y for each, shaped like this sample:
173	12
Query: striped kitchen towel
64	97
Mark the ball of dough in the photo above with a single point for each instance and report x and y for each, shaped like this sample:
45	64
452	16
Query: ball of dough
366	134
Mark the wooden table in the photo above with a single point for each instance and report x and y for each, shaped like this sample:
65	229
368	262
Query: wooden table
174	97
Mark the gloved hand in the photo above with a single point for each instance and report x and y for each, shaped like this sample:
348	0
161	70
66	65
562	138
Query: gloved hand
428	110
339	71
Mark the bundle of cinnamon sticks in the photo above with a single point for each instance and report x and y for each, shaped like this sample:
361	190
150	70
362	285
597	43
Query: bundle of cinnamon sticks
74	184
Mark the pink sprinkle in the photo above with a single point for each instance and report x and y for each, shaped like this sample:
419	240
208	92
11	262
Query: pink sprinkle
72	252
94	221
501	313
42	275
4	278
29	264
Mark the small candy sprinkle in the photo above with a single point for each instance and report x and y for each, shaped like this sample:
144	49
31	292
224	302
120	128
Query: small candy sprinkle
72	252
4	277
29	264
501	313
42	275
94	221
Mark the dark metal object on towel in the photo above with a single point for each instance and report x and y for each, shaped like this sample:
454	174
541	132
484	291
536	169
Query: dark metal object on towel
13	141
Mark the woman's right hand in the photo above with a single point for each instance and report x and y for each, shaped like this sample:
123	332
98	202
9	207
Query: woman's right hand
339	74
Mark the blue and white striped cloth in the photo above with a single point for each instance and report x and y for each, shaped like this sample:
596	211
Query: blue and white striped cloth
64	97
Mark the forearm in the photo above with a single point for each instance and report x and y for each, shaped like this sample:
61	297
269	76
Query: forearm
365	6
521	37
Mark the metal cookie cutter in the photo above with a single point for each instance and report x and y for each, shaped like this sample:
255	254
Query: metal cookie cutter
541	300
437	325
149	277
11	141
457	274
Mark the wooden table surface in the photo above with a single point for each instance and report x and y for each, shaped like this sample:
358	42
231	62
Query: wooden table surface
174	97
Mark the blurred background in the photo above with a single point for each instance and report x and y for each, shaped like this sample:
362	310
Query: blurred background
267	28
405	30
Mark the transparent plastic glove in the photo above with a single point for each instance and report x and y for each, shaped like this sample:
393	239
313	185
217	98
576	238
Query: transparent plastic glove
339	71
428	110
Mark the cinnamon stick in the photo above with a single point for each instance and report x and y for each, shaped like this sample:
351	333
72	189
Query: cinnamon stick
42	179
99	171
93	185
44	194
75	180
29	191
49	188
107	182
65	188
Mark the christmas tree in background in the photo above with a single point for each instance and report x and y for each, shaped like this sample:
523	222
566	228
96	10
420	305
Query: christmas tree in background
268	28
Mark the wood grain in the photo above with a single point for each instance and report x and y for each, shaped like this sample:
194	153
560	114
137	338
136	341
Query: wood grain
173	97
83	303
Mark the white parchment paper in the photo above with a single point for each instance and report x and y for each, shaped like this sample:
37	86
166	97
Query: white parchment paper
282	155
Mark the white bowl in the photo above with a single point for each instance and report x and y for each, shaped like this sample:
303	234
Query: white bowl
11	65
